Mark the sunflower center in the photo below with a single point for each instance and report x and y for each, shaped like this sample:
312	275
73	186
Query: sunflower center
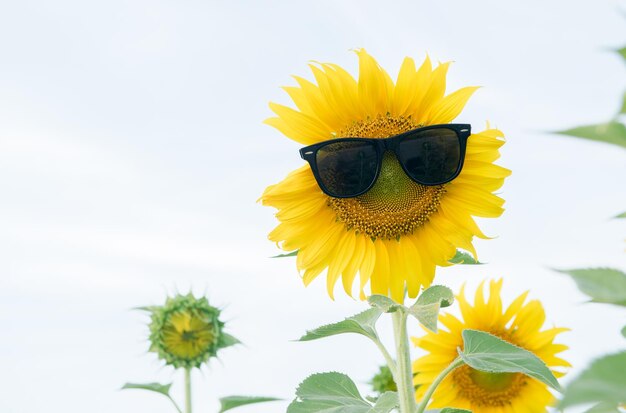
488	389
187	335
395	205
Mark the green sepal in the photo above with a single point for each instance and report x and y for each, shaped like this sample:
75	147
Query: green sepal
362	323
602	382
289	254
230	402
462	257
454	410
430	301
603	285
610	132
336	393
486	352
226	340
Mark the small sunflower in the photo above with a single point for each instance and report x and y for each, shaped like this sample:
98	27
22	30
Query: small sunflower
520	324
186	331
394	235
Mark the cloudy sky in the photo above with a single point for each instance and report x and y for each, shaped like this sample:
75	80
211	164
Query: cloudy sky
132	153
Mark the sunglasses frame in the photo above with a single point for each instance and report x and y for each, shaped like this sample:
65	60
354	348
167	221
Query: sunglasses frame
462	130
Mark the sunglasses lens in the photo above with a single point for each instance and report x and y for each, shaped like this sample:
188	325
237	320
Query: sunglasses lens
431	156
347	168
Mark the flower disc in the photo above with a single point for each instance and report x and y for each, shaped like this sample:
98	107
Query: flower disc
396	234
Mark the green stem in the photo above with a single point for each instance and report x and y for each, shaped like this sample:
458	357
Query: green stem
390	361
422	406
188	390
404	372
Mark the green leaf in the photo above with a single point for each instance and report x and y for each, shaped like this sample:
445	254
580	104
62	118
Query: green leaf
384	303
430	301
439	294
624	331
603	382
454	410
485	352
622	215
155	387
386	403
362	323
622	52
462	257
611	132
603	408
231	402
289	254
622	111
427	315
226	340
335	393
603	285
163	389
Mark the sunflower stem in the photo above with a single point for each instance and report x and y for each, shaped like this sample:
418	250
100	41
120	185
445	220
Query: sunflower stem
424	402
390	361
404	372
187	390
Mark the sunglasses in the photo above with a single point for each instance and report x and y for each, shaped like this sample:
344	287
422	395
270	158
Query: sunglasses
349	167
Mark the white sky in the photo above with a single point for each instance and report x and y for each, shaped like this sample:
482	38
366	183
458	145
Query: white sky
132	153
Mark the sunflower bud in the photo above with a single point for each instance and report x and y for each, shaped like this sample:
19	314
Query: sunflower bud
186	331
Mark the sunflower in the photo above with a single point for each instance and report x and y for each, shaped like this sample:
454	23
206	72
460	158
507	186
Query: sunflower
186	331
520	324
394	235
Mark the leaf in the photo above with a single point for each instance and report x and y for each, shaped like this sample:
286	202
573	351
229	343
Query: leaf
231	402
155	387
386	403
622	111
328	393
289	254
603	408
226	340
624	331
430	301
611	132
622	52
454	410
439	294
622	215
384	303
163	389
362	323
485	352
427	315
603	285
602	382
462	257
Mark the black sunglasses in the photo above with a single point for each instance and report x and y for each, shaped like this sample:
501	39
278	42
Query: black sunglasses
349	167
